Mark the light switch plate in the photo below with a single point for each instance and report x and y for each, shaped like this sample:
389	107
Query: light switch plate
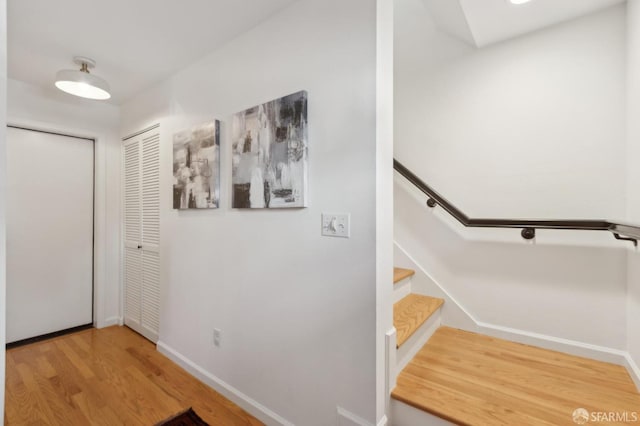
335	225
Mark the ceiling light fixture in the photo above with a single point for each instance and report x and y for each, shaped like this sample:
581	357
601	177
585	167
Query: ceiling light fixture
81	83
519	1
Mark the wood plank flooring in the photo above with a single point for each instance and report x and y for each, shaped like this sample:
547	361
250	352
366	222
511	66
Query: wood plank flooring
473	379
109	377
411	312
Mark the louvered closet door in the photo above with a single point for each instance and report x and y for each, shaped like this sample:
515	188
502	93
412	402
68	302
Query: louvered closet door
151	234
132	234
142	233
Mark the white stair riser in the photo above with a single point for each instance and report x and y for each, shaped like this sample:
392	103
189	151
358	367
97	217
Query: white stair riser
406	415
410	348
401	289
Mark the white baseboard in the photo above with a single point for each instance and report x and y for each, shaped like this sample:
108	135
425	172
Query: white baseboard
248	404
110	321
347	418
471	323
634	370
383	421
599	353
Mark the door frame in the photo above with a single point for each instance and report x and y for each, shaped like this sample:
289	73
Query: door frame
93	239
100	249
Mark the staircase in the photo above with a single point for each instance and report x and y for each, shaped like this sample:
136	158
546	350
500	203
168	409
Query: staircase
450	376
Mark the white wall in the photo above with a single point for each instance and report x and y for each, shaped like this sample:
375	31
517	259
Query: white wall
384	200
297	310
531	127
3	185
46	109
575	292
633	175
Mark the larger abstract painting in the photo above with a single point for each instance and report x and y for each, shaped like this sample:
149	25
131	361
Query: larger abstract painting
196	167
269	145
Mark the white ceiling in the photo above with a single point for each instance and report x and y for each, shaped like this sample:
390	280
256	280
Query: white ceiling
135	43
484	22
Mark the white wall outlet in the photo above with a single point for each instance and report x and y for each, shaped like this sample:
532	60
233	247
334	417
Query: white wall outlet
335	225
217	336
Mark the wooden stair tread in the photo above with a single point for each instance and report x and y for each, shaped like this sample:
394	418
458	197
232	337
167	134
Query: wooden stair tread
400	274
473	379
411	312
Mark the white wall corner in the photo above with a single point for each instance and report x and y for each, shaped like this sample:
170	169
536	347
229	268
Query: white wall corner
248	404
383	421
3	115
451	18
633	369
108	322
347	418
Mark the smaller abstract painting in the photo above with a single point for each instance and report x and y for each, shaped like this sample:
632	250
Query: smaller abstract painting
269	167
196	167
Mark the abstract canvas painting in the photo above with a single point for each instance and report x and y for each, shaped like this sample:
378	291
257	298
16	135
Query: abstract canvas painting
269	145
196	167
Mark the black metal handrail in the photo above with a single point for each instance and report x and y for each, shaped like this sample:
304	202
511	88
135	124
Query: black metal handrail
620	231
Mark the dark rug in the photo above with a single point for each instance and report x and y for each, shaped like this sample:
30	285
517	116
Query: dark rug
185	418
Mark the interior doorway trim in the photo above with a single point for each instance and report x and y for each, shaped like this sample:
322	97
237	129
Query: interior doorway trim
133	135
12	126
42	337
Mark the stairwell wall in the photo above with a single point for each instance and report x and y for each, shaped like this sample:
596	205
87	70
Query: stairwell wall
529	127
3	186
297	310
633	179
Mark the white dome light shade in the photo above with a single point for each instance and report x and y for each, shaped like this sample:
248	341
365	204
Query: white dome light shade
81	83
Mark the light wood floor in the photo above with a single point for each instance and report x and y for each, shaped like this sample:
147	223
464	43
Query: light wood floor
411	312
400	274
472	379
107	377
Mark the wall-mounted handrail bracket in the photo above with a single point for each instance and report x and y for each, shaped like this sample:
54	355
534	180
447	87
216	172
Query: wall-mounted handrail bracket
528	233
624	232
633	240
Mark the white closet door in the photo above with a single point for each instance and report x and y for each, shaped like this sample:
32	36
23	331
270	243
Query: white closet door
142	233
49	233
151	233
132	235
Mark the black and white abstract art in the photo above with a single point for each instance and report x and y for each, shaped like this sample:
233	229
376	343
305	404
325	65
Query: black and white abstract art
270	154
196	167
